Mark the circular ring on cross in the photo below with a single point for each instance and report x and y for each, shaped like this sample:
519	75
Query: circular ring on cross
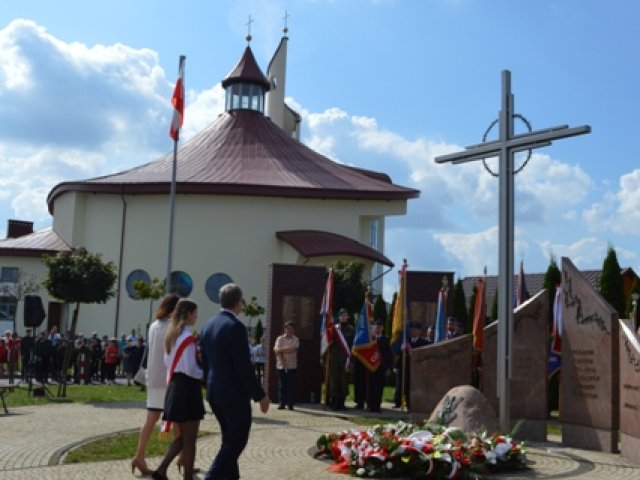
529	152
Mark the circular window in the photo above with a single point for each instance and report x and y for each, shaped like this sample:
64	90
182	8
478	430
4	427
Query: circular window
133	278
213	284
180	283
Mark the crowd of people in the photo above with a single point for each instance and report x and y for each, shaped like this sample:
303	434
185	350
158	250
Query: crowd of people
91	360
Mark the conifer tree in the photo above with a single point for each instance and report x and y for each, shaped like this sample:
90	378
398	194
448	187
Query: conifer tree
460	306
552	278
611	285
472	302
380	309
494	307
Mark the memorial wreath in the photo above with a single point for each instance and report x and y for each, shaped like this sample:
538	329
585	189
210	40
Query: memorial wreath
420	450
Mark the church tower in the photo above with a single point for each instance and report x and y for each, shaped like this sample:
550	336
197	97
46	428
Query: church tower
277	110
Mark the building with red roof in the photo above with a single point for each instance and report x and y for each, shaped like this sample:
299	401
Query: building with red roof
248	194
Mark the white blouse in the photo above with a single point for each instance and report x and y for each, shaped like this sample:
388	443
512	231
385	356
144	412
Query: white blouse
187	362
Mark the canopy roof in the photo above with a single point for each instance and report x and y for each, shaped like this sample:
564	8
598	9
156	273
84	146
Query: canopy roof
314	243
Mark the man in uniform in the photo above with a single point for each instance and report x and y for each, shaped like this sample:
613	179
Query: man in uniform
415	341
339	362
377	378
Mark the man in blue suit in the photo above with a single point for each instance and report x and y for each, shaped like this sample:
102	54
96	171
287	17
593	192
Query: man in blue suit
231	382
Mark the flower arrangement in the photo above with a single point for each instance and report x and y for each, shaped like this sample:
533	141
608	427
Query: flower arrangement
420	451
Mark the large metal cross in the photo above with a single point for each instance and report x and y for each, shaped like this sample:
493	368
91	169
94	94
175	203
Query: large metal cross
505	148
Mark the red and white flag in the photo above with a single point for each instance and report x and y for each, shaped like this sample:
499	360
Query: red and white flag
177	100
327	328
556	342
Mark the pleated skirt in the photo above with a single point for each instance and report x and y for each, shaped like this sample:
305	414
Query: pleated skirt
183	400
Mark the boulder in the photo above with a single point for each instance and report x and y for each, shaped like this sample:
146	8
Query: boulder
466	408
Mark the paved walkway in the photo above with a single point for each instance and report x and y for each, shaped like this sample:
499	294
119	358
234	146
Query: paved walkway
281	446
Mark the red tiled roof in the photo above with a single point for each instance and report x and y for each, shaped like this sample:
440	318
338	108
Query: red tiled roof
314	243
36	244
247	70
245	153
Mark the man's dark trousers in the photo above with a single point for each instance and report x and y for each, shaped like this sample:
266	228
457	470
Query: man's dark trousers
235	424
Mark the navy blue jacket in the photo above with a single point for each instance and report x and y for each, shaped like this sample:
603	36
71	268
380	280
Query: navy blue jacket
226	362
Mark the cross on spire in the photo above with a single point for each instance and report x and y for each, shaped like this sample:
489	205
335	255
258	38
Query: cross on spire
285	18
248	37
505	147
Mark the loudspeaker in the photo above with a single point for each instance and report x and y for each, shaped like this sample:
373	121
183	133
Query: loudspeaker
33	311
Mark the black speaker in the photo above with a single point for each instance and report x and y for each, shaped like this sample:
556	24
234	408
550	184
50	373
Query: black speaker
33	311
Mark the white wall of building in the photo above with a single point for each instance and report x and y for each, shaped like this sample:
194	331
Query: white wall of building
234	235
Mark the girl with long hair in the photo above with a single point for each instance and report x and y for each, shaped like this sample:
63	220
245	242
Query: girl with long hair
183	401
156	379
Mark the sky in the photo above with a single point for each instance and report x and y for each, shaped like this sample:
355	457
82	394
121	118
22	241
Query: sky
386	85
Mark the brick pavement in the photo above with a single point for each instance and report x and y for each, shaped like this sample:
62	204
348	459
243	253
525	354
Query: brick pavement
280	447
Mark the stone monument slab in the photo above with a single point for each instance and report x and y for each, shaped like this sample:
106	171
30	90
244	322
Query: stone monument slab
590	385
436	369
529	367
629	394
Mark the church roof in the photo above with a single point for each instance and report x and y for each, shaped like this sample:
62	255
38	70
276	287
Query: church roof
245	153
314	243
246	70
36	244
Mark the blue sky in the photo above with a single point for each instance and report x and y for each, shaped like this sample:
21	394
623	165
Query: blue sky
381	84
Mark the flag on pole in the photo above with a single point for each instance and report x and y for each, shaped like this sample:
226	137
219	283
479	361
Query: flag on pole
479	315
556	342
327	328
364	348
521	288
441	326
399	322
177	100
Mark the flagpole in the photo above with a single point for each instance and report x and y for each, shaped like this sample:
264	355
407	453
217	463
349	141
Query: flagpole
326	378
403	403
172	194
172	207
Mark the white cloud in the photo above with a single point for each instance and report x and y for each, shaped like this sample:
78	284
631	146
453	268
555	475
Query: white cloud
617	211
473	251
76	96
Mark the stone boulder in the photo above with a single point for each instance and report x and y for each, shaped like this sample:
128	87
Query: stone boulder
466	408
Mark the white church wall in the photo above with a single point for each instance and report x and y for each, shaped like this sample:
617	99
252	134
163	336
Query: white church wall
212	234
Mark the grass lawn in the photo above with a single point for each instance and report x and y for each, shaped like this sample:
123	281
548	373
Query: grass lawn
76	394
118	447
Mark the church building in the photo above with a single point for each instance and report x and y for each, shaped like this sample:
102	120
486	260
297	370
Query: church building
248	194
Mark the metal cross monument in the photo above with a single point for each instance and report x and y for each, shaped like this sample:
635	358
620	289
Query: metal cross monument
505	148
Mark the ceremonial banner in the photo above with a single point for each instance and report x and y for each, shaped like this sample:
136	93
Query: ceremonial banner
364	348
327	327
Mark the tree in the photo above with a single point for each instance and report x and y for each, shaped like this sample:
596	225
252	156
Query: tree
552	278
494	306
380	309
78	277
553	275
149	291
634	289
472	303
252	310
611	285
348	288
259	332
460	305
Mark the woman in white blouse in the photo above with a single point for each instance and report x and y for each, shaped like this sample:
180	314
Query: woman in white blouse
183	401
156	379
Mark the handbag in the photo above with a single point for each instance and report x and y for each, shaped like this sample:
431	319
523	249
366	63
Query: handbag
140	377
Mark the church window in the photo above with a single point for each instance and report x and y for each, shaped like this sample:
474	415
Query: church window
180	283
245	96
133	277
213	284
9	274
